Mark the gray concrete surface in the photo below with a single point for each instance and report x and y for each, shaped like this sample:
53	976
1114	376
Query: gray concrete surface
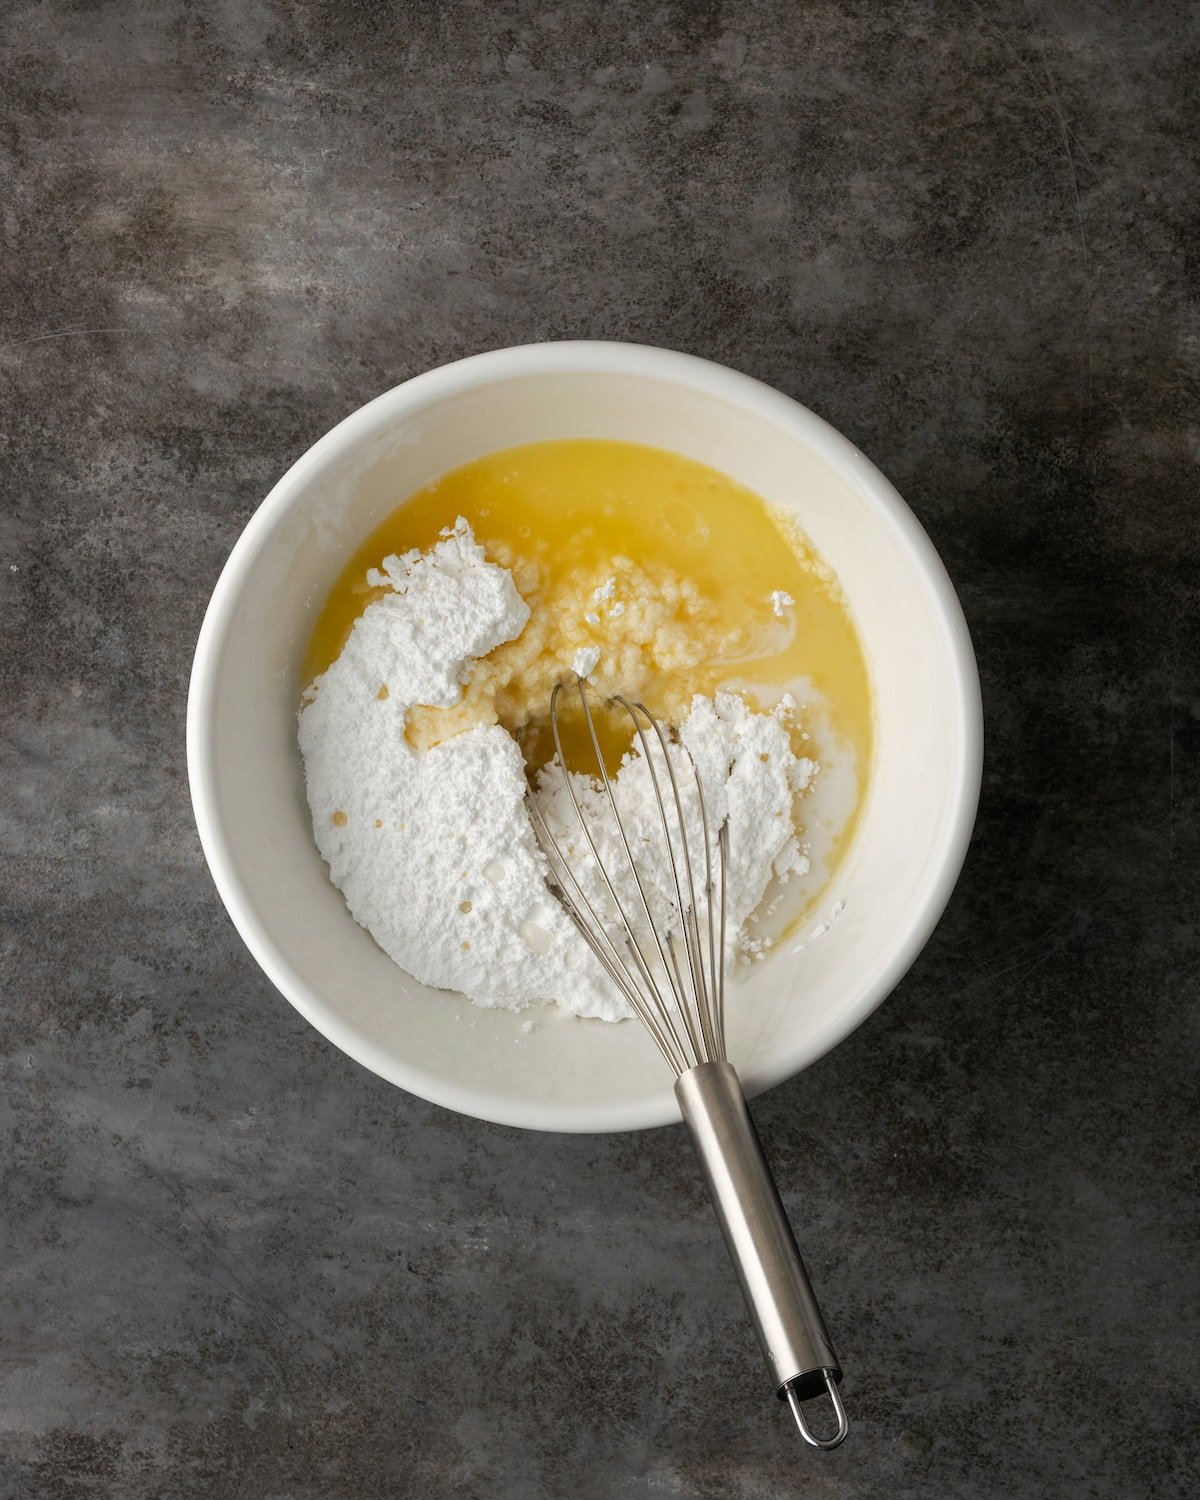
234	1264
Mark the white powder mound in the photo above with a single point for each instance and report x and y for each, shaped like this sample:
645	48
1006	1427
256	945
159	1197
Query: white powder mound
434	850
585	661
448	608
780	601
750	777
752	753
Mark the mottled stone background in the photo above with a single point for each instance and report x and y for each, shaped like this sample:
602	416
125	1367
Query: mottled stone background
234	1264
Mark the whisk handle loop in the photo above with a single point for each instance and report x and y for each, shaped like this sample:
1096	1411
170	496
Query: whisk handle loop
759	1238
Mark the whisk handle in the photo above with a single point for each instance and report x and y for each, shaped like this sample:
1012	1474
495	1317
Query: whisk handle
761	1245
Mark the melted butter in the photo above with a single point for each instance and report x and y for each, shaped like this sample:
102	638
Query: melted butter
704	553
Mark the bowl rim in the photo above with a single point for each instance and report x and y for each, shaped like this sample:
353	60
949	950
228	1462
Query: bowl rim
584	357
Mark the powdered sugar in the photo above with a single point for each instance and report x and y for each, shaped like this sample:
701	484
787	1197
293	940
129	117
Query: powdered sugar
750	778
604	594
446	608
753	754
781	600
434	850
585	661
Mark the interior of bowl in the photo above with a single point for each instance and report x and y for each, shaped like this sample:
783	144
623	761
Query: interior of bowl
247	777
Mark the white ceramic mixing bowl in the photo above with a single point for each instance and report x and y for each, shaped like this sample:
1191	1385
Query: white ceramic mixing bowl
247	780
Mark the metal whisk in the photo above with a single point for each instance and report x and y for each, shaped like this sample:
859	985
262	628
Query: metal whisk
680	999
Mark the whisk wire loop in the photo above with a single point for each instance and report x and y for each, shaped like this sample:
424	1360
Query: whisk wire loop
663	946
594	933
716	1024
680	1002
635	951
694	1007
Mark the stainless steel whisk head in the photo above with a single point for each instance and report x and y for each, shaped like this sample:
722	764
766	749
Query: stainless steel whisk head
681	1004
679	996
